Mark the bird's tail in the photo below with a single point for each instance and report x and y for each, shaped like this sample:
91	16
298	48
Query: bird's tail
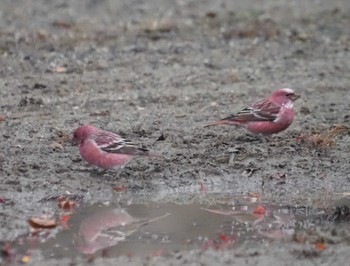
155	155
223	122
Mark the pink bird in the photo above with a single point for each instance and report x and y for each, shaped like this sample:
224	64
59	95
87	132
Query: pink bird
105	149
268	116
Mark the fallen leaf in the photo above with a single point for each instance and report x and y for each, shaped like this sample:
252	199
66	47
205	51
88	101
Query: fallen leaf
66	204
254	194
2	200
42	223
224	237
220	243
119	188
65	218
42	35
320	246
59	69
325	138
259	210
2	118
25	259
64	221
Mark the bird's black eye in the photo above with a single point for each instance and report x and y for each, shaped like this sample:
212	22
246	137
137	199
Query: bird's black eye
289	94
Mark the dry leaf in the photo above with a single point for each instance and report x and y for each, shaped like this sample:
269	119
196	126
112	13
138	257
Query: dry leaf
254	194
320	246
25	259
66	204
42	223
323	139
59	69
119	188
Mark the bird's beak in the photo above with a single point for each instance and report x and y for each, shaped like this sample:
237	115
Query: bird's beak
296	97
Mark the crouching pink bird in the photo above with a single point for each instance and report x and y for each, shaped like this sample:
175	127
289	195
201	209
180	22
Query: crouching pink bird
268	116
105	149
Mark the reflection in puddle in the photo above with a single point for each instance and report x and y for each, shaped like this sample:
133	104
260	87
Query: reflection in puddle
106	228
157	228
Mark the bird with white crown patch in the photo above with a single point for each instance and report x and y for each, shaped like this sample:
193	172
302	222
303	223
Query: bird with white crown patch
268	116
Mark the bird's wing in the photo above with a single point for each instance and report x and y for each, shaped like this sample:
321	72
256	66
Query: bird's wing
113	143
264	110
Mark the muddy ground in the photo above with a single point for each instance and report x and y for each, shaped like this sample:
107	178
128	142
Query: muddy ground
157	71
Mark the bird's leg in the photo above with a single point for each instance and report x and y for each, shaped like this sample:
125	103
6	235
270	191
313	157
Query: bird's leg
119	171
250	138
98	172
265	138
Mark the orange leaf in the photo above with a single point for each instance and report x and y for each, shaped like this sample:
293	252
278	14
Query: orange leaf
222	243
259	210
65	218
64	221
25	259
320	246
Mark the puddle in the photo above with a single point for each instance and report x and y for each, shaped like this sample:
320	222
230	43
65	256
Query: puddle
158	228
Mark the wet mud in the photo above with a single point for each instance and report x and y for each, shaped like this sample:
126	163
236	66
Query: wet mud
156	72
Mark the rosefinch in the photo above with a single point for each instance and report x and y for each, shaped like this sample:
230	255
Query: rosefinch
268	116
105	149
